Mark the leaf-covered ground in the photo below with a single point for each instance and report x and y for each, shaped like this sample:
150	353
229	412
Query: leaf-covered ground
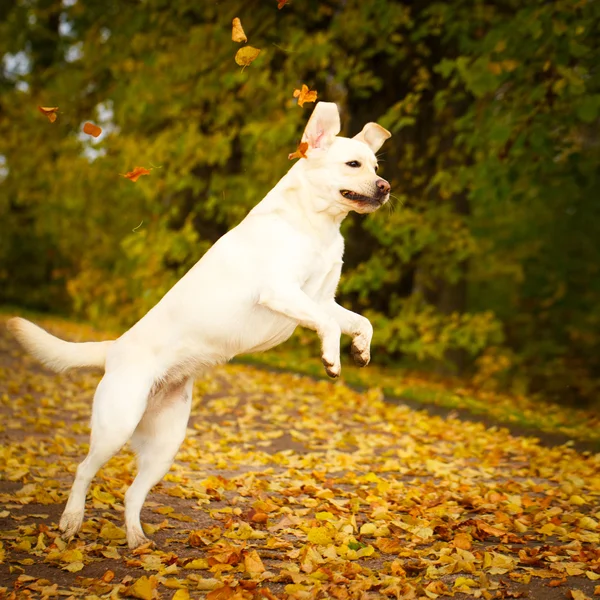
291	488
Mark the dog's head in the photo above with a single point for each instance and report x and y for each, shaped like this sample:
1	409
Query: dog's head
344	170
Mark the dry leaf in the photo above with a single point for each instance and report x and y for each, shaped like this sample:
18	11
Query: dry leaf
305	95
136	173
253	563
143	588
49	112
222	593
300	151
281	3
92	129
237	31
108	576
246	55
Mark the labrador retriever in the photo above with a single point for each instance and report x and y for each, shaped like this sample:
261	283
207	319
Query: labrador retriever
279	268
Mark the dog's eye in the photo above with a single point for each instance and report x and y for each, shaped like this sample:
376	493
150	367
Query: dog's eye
376	168
353	163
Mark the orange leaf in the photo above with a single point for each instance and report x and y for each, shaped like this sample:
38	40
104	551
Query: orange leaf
50	112
281	3
300	152
222	593
108	576
136	173
463	541
305	95
258	516
490	529
92	129
237	31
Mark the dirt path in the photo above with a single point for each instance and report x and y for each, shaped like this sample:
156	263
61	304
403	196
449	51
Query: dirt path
291	488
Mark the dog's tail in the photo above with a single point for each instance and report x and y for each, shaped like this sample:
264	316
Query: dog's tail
55	353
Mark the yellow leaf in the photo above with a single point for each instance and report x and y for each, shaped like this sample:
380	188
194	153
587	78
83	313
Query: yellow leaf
368	529
181	594
237	31
246	55
320	535
143	588
197	563
253	563
74	567
112	532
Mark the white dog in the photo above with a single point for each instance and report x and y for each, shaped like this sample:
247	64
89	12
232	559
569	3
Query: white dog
279	268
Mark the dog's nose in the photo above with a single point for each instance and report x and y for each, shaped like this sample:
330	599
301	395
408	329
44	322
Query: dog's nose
383	186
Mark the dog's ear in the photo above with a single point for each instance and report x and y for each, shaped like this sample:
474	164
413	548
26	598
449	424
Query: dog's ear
323	125
373	135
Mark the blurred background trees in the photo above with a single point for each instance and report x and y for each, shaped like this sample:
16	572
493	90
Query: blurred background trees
487	261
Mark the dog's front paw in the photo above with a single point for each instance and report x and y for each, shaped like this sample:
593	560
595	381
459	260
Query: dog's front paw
360	355
332	366
70	524
136	538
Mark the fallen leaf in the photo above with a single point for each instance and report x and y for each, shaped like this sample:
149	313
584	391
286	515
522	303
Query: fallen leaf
143	588
74	567
253	563
92	129
136	173
577	595
110	531
300	151
108	576
182	594
246	55
222	593
50	112
305	95
237	31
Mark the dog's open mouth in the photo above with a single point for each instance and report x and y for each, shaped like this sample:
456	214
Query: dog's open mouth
356	197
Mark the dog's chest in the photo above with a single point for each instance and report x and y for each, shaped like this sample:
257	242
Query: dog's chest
323	273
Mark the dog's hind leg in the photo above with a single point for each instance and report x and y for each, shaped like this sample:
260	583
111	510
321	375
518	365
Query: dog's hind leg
156	441
119	403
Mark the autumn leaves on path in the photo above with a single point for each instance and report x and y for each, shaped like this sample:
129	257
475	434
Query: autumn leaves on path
290	488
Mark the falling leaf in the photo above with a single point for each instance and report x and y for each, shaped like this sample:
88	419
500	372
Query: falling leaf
281	3
136	173
92	129
300	152
49	112
246	55
305	95
237	31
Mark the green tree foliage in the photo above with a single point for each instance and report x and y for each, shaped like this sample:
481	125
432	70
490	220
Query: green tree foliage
487	259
